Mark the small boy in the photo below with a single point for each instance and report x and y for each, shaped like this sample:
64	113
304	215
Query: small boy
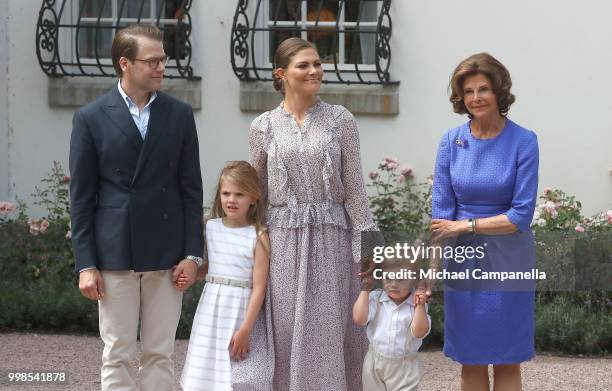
397	321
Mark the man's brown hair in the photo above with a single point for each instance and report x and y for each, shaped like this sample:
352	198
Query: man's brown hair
125	43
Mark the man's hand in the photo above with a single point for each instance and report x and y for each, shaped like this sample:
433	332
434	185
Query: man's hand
91	284
184	274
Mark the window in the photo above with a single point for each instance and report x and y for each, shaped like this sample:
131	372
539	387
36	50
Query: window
74	37
352	37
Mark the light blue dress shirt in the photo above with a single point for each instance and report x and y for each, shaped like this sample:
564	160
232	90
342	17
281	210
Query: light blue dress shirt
141	118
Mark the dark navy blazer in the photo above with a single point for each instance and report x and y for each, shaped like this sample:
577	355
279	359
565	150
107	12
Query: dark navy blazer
135	205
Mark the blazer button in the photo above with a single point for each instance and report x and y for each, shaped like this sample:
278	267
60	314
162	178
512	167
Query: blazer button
117	171
165	216
170	164
163	189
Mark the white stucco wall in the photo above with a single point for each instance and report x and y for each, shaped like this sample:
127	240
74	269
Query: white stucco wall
4	157
558	54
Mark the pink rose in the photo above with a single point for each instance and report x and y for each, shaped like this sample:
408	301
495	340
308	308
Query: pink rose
430	180
579	228
66	179
373	175
402	178
44	225
34	226
389	163
406	171
547	190
392	165
69	235
609	214
390	160
38	226
550	206
7	207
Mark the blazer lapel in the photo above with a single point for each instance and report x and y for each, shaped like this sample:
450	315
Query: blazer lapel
118	112
160	112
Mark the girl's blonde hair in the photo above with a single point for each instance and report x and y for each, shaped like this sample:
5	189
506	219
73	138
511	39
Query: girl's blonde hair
243	175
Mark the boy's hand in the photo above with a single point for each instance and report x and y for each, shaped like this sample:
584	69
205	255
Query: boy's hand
239	345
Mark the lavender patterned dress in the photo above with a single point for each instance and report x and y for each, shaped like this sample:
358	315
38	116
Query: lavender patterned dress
317	207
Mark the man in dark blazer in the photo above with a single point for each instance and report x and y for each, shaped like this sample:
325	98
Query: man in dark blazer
136	205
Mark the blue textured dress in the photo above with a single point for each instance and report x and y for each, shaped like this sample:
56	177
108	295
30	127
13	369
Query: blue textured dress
487	322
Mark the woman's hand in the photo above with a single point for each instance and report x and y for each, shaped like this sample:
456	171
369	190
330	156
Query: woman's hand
420	297
443	229
239	345
366	274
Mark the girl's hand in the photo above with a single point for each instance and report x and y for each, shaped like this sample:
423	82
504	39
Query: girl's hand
443	229
182	282
239	345
201	274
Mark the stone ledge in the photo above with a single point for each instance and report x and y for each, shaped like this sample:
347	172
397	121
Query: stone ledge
76	92
358	99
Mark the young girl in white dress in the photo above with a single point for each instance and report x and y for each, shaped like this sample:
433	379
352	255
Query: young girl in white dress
228	321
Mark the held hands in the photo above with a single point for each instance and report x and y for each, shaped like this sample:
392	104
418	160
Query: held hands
202	272
366	274
91	284
420	297
184	274
239	344
424	287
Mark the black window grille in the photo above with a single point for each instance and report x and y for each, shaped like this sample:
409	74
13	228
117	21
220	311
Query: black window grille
351	36
74	37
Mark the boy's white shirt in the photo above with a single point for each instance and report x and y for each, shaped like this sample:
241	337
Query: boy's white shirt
392	325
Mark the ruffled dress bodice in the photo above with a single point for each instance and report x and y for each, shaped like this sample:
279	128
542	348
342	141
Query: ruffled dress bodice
311	175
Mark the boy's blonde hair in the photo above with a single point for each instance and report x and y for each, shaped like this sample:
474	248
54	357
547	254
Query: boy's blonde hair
243	175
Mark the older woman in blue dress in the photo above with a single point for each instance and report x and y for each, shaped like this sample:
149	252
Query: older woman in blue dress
484	194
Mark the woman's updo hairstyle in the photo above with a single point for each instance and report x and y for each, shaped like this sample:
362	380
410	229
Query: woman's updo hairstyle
282	57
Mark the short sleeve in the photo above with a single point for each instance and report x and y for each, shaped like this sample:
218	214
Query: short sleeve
428	327
373	302
526	184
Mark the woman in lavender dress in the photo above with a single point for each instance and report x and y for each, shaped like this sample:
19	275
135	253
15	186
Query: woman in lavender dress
484	194
307	156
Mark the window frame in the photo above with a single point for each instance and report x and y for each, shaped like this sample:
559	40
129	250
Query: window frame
257	64
60	28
